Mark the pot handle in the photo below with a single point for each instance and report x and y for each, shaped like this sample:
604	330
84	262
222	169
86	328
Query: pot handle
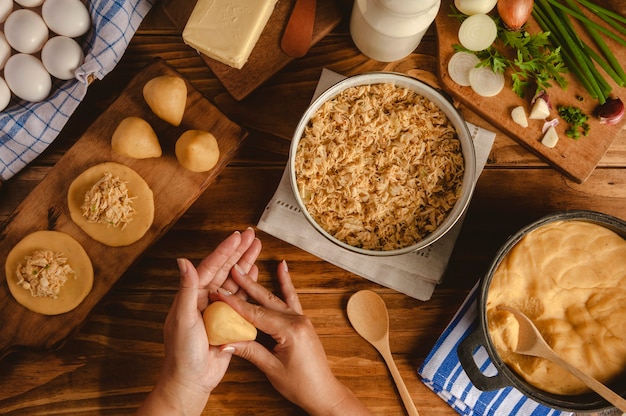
465	351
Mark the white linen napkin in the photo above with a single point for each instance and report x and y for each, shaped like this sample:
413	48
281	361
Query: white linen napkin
442	372
414	274
27	129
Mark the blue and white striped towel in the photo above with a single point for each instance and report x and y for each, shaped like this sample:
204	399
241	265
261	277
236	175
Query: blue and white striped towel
27	129
442	372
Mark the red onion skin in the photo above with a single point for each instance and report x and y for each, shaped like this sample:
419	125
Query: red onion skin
515	13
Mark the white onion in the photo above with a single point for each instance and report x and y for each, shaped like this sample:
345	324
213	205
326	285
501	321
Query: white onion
478	32
485	82
460	65
470	7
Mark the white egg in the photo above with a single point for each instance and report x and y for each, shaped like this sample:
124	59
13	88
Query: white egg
29	3
5	94
61	56
66	17
6	7
25	31
5	50
27	78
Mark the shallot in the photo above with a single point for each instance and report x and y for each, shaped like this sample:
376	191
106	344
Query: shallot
611	112
515	13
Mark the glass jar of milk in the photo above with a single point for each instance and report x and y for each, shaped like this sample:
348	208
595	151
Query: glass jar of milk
389	30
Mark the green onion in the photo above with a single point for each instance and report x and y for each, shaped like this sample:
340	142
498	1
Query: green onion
575	58
578	121
587	21
541	19
605	88
607	68
611	22
599	10
554	16
616	72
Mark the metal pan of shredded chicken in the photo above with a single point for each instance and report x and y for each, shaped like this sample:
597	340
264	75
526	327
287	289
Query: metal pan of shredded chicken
379	167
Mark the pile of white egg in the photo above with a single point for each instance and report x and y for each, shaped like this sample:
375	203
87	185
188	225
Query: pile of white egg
38	42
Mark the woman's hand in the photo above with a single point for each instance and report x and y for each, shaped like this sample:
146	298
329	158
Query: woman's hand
192	368
296	366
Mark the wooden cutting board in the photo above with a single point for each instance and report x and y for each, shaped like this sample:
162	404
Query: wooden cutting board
575	158
266	58
45	208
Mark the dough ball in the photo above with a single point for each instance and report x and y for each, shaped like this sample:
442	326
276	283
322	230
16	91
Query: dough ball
197	150
134	137
224	325
166	95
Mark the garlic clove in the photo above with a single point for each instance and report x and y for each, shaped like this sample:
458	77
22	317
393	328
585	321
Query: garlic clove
540	110
518	114
550	138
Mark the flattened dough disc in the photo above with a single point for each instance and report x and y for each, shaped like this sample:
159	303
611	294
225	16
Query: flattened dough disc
137	189
73	292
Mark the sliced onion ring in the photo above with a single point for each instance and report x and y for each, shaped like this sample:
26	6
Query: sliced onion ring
459	67
486	82
478	32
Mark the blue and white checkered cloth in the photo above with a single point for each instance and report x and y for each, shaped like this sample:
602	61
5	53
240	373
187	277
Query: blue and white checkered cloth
442	372
27	129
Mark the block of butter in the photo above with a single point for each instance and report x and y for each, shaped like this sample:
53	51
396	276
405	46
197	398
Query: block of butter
227	30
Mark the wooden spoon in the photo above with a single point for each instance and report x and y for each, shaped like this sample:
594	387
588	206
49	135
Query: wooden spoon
530	342
298	34
368	315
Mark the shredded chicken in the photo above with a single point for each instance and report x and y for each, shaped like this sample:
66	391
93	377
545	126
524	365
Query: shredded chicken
379	167
44	273
108	202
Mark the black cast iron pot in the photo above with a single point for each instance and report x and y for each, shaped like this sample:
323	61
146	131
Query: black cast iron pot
506	377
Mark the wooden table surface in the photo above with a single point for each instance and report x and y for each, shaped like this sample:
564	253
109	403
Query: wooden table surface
109	365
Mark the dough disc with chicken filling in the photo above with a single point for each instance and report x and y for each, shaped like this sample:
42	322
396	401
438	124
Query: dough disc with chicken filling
138	190
73	291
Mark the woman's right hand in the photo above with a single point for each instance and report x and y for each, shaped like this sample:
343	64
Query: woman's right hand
296	366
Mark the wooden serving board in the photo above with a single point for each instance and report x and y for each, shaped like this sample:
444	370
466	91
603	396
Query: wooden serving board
575	158
45	208
266	58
